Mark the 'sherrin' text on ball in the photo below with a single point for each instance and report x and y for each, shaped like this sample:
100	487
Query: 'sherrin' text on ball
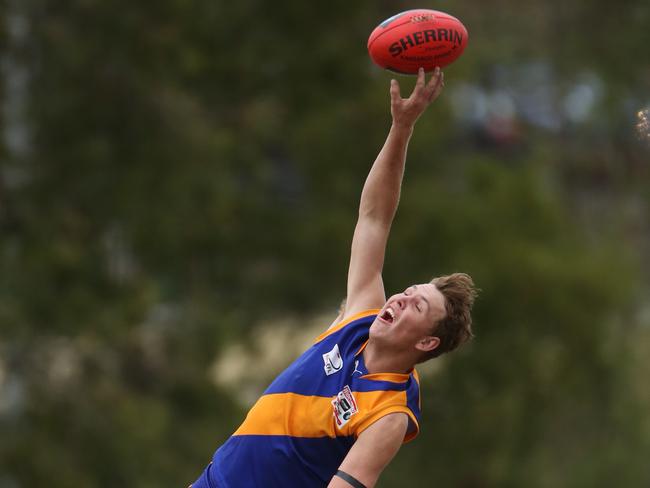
425	36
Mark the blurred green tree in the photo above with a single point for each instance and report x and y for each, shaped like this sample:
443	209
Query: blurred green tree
191	168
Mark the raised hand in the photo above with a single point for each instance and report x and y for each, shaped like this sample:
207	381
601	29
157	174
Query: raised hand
406	111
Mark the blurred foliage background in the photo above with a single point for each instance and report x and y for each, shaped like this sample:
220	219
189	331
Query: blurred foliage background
178	178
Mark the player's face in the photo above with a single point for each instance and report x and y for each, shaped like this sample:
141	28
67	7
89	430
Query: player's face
408	317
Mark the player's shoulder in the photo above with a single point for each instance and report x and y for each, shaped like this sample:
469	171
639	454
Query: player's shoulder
350	322
391	428
395	420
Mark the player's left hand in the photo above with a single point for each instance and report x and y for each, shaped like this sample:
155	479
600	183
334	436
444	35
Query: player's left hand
406	111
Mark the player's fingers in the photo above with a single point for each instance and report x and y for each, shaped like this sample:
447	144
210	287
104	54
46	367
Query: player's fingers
437	88
435	78
394	91
419	84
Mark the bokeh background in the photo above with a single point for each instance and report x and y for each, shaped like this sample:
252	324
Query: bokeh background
179	183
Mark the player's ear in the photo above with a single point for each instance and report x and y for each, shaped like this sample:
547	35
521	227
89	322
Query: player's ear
428	343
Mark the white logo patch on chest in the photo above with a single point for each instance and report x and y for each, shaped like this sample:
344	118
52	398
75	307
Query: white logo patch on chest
333	361
345	406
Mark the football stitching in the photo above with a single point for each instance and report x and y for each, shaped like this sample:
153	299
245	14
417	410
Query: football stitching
393	25
422	18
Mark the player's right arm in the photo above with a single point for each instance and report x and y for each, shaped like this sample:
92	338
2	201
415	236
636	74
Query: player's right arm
380	196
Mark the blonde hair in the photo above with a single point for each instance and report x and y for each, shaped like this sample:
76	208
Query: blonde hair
456	327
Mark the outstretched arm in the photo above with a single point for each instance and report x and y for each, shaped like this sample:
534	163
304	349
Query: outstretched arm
380	196
372	451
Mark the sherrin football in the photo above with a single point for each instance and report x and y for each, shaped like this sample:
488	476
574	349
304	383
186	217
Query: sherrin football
417	38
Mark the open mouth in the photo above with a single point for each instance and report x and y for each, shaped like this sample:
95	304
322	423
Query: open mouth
388	315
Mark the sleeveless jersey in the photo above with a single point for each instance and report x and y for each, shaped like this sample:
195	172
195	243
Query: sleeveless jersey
300	430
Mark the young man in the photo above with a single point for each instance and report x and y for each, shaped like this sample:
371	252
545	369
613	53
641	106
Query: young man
339	414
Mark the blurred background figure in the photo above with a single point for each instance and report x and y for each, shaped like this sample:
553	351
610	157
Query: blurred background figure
643	125
175	191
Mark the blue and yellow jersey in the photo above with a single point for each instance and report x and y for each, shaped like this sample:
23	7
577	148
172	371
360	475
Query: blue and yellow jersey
300	430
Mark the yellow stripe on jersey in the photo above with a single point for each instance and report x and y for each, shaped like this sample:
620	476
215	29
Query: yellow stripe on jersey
371	419
295	415
390	377
311	416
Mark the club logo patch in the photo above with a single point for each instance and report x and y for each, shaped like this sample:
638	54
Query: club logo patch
333	361
345	406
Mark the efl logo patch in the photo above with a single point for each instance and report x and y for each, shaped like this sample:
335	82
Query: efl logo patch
333	361
345	406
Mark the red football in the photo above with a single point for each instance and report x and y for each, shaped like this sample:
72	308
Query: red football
417	38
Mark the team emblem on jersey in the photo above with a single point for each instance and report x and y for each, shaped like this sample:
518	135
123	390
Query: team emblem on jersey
345	406
333	361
